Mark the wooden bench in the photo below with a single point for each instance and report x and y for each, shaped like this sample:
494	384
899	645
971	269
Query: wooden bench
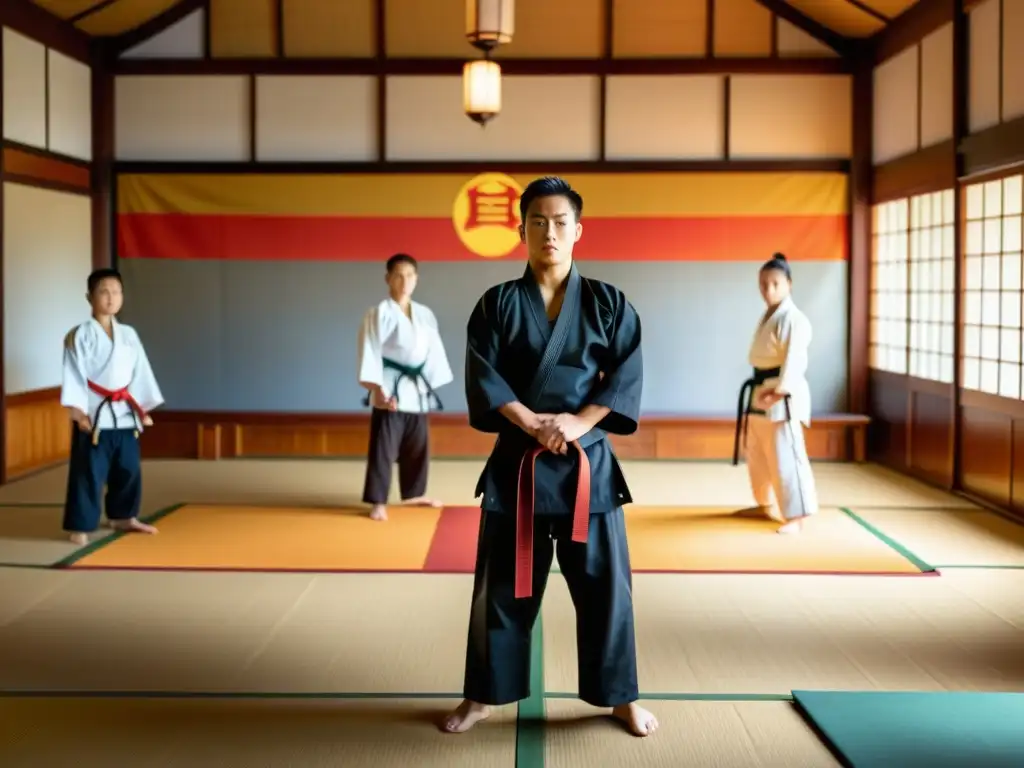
193	435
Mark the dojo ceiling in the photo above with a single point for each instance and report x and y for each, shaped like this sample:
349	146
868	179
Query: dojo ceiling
849	18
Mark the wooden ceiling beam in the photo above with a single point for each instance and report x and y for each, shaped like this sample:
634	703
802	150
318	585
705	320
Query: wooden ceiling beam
52	31
118	44
842	45
438	66
865	8
94	8
910	27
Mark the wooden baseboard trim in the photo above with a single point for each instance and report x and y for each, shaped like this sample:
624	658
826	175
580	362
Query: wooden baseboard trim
211	436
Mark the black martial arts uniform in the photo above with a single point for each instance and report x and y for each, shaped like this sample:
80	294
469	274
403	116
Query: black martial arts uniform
591	355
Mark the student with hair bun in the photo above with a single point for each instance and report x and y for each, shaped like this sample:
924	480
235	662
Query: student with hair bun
775	405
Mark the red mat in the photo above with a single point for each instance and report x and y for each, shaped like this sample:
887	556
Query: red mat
453	548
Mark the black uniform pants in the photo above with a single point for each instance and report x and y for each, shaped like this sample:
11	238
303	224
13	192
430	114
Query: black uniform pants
600	583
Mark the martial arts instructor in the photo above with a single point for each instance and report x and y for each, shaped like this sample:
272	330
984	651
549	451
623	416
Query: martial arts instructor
553	364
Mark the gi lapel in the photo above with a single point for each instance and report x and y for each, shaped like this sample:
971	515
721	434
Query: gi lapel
556	340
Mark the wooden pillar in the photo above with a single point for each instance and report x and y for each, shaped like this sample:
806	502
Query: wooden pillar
859	276
3	382
103	204
960	131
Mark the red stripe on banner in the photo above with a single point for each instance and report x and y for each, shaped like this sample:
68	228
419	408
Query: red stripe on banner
294	238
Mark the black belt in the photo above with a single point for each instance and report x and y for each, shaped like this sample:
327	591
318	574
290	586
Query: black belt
743	408
414	374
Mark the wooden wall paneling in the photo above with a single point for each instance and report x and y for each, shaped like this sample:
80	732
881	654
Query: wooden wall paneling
930	432
931	169
188	435
37	432
986	449
889	433
1017	468
993	149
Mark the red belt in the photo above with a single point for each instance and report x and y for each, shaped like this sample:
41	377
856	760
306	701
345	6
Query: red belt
117	396
524	515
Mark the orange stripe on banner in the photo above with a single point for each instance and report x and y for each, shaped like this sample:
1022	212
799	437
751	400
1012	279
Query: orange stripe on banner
394	195
272	238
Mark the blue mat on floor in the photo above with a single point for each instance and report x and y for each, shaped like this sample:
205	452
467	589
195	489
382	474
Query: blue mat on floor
942	729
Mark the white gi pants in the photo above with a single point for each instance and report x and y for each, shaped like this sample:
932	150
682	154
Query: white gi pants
779	469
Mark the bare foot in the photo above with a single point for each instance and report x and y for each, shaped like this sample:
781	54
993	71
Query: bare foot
422	501
468	714
639	721
793	526
379	513
134	525
79	539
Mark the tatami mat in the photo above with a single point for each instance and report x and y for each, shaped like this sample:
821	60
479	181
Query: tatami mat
662	539
771	634
157	631
1001	592
953	537
400	639
240	733
702	734
337	483
32	535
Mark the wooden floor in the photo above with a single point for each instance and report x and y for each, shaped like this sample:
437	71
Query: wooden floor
240	669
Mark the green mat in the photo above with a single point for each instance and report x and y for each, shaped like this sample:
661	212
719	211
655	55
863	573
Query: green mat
907	729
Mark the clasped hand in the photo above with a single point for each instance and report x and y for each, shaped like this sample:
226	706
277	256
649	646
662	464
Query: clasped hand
768	398
556	431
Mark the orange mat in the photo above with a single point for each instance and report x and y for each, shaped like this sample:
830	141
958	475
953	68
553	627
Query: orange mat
661	539
246	538
715	540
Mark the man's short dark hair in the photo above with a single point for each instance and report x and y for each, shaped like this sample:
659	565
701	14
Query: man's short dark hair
99	275
402	258
550	186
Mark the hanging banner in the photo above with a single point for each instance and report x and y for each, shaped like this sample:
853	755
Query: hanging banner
708	216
